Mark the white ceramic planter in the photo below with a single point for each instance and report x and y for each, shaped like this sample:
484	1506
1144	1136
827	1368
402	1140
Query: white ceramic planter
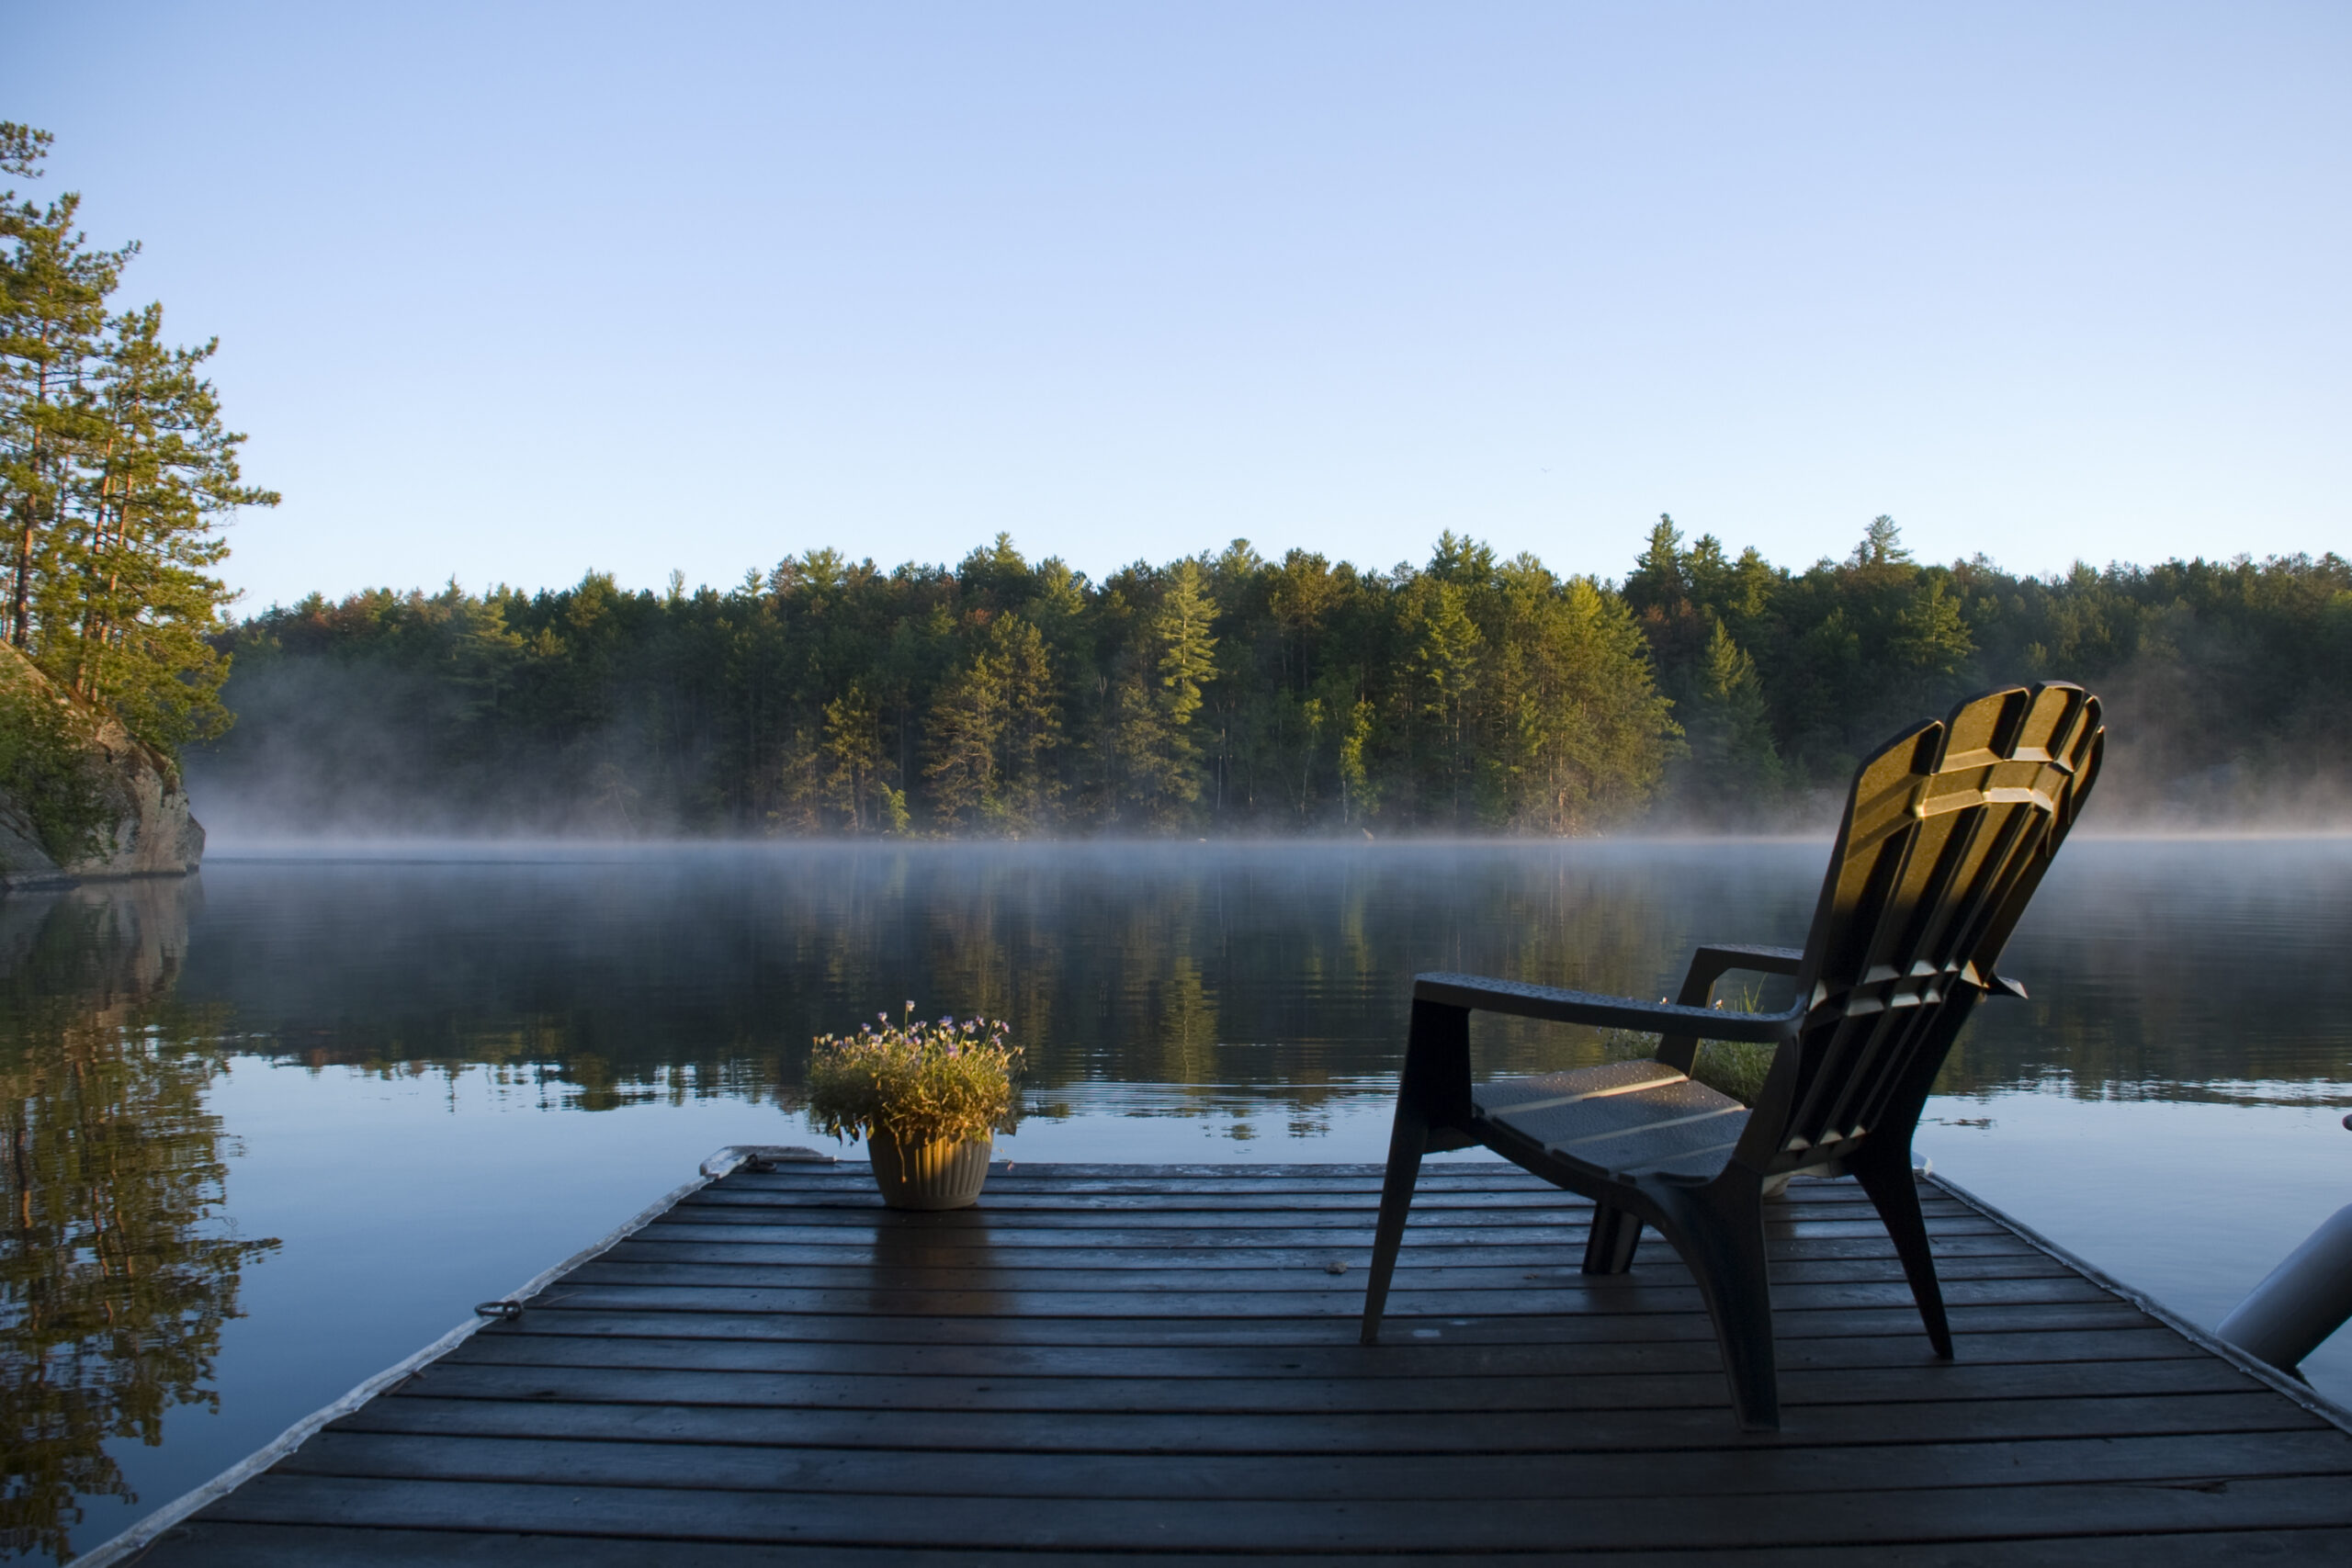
938	1175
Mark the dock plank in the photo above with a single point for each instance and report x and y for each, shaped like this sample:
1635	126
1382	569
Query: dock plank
1724	1471
541	1347
1157	1366
1361	1525
272	1546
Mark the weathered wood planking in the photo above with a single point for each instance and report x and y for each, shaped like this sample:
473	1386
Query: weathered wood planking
1130	1365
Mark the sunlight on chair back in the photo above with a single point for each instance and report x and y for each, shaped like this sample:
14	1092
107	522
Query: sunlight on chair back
1947	834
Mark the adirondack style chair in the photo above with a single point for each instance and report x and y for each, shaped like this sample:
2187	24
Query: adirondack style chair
1947	833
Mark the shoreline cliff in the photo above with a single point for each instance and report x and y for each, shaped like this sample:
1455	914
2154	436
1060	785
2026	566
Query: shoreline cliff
81	798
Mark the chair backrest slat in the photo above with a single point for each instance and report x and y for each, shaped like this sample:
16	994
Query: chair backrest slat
1948	830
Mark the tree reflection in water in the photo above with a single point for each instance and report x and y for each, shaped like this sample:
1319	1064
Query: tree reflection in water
117	1271
1267	980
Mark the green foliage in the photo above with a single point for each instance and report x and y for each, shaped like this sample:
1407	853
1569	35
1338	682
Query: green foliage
995	728
922	1082
2228	685
1236	695
1735	769
45	767
115	473
1003	698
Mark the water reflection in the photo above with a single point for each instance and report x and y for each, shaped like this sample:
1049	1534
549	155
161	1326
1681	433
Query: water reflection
927	1265
2179	971
631	975
1172	979
117	1273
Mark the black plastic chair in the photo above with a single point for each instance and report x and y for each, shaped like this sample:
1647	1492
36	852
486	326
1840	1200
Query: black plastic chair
1946	835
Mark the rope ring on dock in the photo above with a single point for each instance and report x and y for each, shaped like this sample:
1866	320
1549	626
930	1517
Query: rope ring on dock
506	1312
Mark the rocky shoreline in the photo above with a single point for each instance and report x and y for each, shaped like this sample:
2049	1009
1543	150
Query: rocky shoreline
147	829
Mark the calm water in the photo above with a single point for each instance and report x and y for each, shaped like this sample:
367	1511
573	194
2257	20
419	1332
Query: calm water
278	1126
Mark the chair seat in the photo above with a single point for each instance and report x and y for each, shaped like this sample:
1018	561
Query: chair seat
1619	1122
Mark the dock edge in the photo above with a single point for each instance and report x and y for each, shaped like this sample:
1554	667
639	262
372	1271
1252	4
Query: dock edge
2302	1393
148	1528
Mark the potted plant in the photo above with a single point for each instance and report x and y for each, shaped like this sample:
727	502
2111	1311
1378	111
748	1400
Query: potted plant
927	1098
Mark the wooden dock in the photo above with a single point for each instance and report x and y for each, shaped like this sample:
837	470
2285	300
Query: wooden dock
1156	1365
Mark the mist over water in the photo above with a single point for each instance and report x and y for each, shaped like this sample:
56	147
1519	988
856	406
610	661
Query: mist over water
430	1070
2157	967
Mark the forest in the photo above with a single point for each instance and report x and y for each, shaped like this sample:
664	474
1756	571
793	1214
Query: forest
1229	694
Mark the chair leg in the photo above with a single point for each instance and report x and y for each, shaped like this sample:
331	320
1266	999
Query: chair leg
1405	1143
1433	1091
1894	1192
1609	1245
1723	1241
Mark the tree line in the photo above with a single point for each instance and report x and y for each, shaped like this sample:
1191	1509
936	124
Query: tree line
1228	693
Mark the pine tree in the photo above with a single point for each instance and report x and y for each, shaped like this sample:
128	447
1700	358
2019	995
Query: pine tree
1736	772
1881	545
1584	732
994	729
1657	583
1029	794
1160	752
124	624
115	473
1359	796
858	785
965	727
53	291
1445	663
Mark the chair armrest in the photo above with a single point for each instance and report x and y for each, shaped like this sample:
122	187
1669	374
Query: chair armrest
1475	993
1708	964
1723	957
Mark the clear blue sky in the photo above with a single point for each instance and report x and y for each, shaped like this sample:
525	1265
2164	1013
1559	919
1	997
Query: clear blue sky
511	291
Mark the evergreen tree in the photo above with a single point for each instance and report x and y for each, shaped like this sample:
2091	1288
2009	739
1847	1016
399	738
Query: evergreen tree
126	624
858	783
1359	797
1030	790
1930	636
53	290
1656	584
1445	685
1881	545
1587	731
966	726
1736	774
994	729
116	472
1160	752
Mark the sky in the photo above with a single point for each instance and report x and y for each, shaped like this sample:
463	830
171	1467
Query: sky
511	292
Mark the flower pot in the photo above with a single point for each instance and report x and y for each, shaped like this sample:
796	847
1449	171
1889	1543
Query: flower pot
942	1174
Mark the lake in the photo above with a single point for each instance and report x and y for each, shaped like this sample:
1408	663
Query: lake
280	1125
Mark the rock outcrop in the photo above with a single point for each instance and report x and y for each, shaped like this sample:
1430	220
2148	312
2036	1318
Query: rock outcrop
145	829
23	861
